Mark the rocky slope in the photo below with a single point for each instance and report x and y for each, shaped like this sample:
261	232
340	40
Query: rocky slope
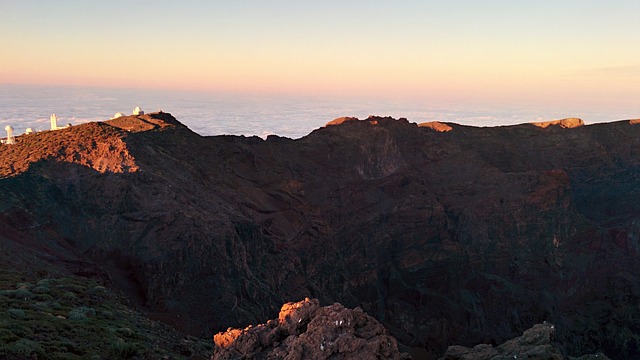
446	234
535	343
47	313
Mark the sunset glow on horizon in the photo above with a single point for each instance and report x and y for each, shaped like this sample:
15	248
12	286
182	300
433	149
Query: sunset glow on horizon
539	53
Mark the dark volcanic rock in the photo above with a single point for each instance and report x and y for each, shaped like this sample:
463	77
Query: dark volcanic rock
535	343
461	237
304	330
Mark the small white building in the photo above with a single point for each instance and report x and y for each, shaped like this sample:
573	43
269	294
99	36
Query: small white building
117	115
138	111
54	123
29	131
10	138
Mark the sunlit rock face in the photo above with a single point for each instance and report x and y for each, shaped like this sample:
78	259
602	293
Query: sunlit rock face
437	126
96	146
567	123
340	120
462	237
304	330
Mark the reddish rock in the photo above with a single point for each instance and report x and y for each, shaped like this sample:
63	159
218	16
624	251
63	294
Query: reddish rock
341	120
304	330
567	123
292	315
97	146
436	125
227	338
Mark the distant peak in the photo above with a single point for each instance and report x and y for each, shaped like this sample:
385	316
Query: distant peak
567	123
371	120
341	120
144	122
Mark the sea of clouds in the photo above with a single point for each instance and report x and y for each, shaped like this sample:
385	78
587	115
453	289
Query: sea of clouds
24	106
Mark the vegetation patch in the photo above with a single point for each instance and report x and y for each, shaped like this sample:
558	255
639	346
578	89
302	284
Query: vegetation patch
79	318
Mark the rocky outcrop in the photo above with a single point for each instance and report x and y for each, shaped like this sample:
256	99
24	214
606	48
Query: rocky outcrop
436	125
535	343
463	237
567	123
341	120
304	330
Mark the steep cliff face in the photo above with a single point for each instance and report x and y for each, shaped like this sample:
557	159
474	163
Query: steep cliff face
459	237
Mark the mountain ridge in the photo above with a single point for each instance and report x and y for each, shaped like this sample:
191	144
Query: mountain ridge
435	234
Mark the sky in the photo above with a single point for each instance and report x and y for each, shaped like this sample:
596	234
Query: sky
539	53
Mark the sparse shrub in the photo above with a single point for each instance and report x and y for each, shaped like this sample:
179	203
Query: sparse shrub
45	282
89	311
23	293
26	348
43	297
99	289
97	293
19	329
68	286
7	293
44	329
63	346
40	290
69	296
24	285
55	305
66	356
125	332
81	313
7	336
40	306
16	313
123	350
106	314
77	316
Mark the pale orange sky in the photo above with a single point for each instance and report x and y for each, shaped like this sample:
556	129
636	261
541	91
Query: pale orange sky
543	52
